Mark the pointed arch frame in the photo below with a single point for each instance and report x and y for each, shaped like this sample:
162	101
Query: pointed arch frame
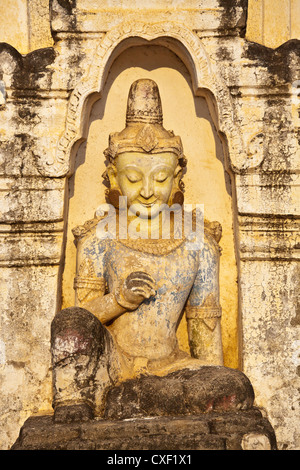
189	48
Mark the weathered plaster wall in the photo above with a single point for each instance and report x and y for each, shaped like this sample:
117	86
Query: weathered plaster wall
253	104
272	308
25	24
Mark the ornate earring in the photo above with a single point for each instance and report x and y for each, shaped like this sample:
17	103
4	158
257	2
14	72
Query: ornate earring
113	195
177	196
113	192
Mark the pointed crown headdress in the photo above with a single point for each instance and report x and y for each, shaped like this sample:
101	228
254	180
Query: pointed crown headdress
144	131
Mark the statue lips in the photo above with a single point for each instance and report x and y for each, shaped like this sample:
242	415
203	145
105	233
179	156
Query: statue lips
147	204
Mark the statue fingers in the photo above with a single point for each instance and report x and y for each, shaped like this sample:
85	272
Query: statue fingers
143	291
140	282
141	275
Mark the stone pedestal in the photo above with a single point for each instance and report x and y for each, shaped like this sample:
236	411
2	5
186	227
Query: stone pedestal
241	430
206	409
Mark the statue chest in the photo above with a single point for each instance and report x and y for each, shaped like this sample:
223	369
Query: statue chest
174	272
150	331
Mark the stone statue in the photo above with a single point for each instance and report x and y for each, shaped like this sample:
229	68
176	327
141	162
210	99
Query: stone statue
132	289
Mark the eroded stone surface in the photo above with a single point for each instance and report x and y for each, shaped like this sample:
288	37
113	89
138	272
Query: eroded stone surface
215	431
186	392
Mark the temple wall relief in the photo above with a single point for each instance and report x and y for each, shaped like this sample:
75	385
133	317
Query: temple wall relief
235	105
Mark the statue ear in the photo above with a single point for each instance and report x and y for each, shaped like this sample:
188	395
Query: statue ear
177	196
178	173
113	193
111	172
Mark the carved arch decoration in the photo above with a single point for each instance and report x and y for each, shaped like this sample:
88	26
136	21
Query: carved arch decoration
178	38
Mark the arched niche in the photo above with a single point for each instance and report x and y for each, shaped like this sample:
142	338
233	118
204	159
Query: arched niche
175	37
207	180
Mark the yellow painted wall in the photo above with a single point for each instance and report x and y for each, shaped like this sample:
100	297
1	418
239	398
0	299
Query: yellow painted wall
273	22
25	24
14	24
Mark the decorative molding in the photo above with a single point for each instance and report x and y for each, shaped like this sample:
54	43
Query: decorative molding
30	248
269	238
255	150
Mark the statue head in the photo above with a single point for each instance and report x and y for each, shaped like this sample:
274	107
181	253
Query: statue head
146	161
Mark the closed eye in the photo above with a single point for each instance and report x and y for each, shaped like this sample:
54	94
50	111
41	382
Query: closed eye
133	178
161	177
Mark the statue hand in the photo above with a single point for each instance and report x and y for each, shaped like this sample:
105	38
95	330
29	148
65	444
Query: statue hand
137	287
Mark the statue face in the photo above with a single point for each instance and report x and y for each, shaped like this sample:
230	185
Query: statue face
146	180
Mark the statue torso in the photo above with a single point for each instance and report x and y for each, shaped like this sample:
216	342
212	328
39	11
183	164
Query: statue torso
150	330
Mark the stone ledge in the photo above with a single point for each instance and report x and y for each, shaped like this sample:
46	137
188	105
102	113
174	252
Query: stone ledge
209	431
214	17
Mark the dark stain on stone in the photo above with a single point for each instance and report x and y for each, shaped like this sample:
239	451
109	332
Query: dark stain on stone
224	53
19	152
275	60
68	5
26	70
63	9
277	125
229	9
35	66
296	320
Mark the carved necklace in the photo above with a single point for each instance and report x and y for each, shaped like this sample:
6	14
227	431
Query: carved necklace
160	246
157	246
151	246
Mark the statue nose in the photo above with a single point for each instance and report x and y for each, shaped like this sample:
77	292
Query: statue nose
147	189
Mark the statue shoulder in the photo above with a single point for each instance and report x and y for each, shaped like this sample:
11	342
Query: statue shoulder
88	229
214	229
211	229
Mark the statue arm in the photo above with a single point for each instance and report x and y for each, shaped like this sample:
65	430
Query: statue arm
127	296
105	308
90	285
203	311
90	288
